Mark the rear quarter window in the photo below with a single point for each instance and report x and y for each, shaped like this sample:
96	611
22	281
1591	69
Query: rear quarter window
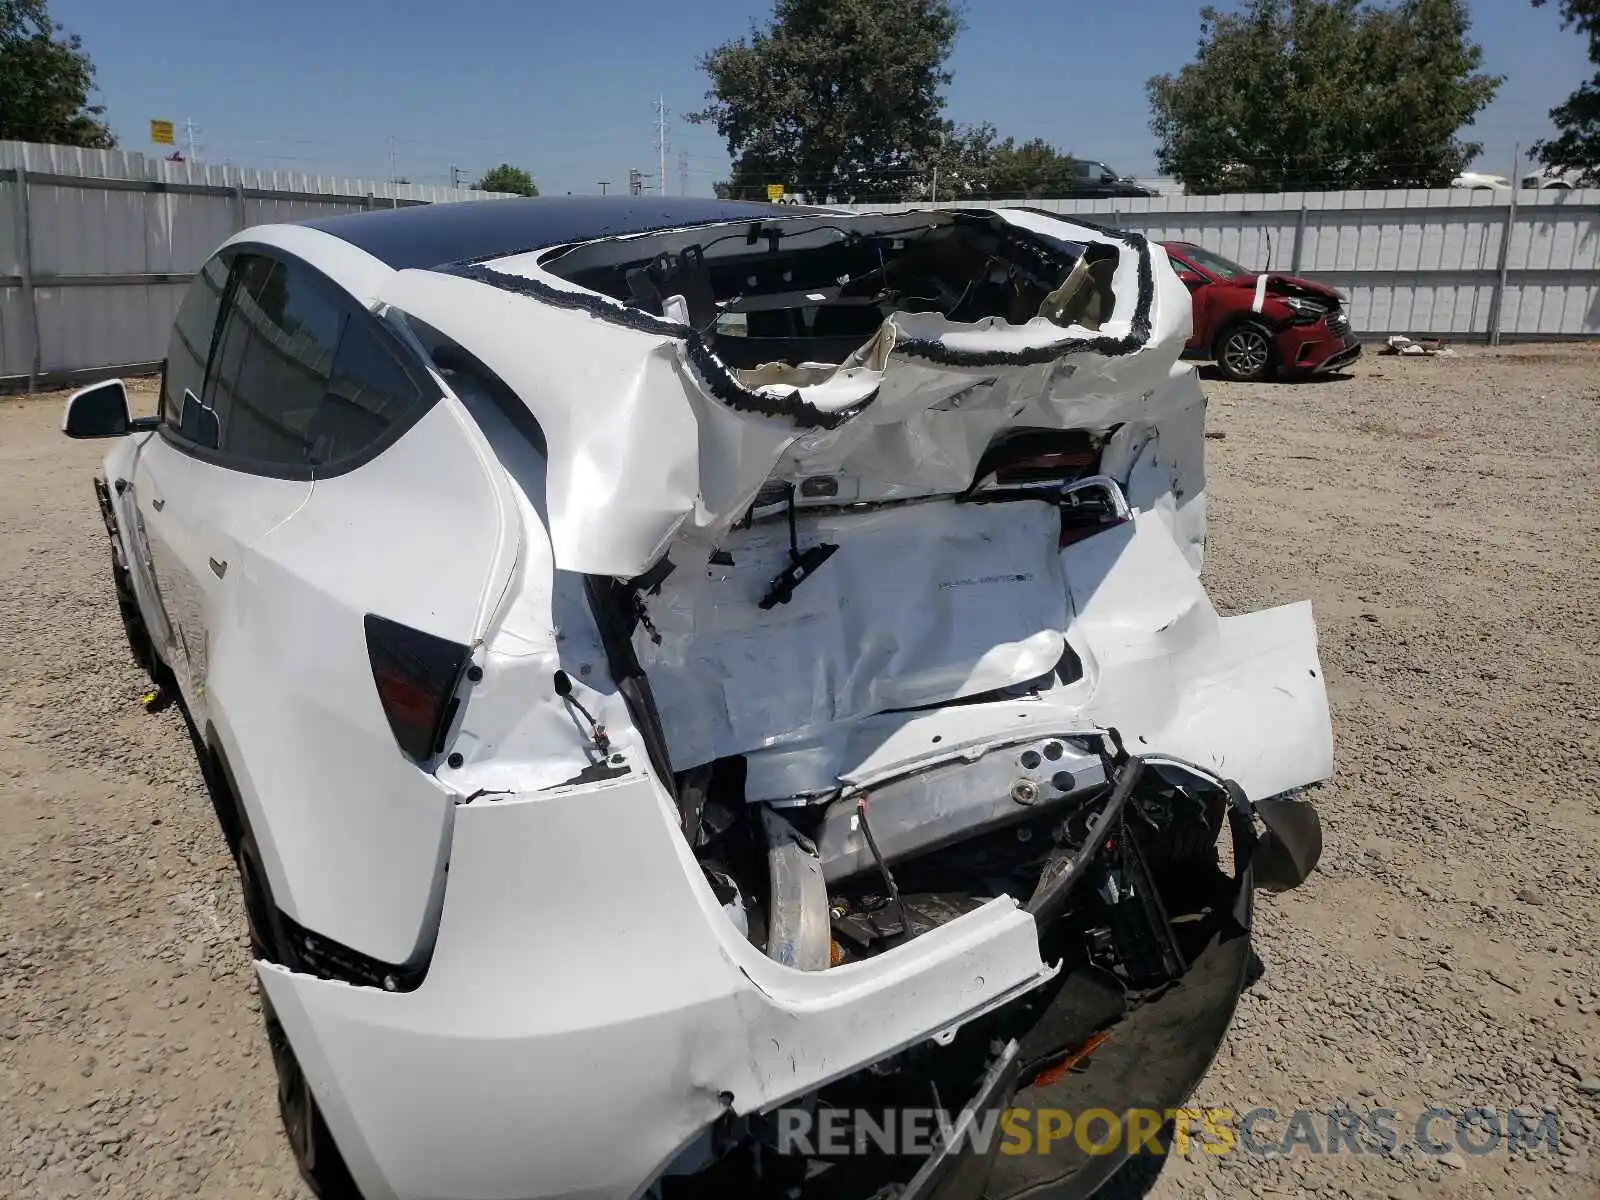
304	381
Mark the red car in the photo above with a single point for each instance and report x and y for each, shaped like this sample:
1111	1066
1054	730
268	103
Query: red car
1256	326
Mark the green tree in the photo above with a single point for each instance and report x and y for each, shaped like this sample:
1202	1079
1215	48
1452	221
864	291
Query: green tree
1323	94
970	163
834	98
1031	171
45	78
506	178
1576	147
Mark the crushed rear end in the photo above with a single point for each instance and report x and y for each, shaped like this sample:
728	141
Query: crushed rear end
897	759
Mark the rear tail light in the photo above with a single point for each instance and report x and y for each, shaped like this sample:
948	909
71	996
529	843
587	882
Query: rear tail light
1091	506
417	675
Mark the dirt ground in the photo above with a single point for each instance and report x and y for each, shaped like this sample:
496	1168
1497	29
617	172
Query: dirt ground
1440	513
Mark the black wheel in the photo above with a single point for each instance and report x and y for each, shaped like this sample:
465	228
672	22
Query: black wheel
315	1152
1244	353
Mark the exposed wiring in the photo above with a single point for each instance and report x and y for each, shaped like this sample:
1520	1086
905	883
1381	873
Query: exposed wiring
883	866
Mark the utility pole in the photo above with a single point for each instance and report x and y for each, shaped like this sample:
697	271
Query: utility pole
393	173
661	141
603	185
683	173
189	130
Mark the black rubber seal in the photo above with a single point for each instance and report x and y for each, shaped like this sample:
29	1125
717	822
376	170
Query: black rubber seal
716	377
720	382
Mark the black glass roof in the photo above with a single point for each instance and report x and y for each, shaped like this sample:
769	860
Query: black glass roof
430	235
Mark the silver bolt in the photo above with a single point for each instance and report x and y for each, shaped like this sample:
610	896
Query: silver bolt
1024	791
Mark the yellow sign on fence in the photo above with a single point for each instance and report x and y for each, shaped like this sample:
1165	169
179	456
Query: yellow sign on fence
161	133
774	192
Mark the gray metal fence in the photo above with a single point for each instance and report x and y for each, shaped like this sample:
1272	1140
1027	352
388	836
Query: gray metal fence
97	247
1469	265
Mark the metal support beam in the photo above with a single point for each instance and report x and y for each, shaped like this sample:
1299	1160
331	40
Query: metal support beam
1498	304
135	279
239	221
1299	239
30	302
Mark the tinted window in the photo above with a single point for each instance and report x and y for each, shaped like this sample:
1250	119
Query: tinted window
191	339
371	392
274	360
299	376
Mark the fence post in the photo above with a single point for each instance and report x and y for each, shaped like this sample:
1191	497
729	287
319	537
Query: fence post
1497	304
369	205
30	302
238	207
1299	237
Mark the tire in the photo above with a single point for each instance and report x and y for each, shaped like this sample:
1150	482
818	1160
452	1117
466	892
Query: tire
1245	353
1135	1179
315	1152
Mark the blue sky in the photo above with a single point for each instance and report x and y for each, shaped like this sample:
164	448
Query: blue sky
567	89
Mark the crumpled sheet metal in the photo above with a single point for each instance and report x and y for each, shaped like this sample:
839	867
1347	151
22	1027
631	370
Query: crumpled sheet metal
643	445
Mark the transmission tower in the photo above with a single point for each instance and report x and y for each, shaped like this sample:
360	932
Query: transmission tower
661	142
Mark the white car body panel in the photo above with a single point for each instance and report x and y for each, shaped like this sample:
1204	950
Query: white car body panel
670	1010
356	843
577	961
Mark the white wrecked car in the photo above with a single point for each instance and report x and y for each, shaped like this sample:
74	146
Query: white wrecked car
679	675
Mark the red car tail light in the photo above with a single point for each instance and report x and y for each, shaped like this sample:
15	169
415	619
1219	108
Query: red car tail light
416	675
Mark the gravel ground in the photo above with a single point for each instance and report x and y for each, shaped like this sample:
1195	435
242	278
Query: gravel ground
1440	513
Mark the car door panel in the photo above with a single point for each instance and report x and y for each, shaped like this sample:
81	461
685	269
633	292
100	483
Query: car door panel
122	470
207	514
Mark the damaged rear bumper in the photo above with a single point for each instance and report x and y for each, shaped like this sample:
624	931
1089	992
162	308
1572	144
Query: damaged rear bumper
592	1021
1136	1058
566	1046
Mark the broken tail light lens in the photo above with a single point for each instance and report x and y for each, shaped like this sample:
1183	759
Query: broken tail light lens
416	675
1027	461
1091	506
1043	468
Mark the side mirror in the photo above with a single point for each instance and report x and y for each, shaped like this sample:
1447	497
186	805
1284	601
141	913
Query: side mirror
97	411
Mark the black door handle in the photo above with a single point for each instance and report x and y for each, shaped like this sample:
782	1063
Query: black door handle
158	505
219	569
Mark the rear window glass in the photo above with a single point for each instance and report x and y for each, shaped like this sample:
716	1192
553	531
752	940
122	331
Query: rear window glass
275	360
370	392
